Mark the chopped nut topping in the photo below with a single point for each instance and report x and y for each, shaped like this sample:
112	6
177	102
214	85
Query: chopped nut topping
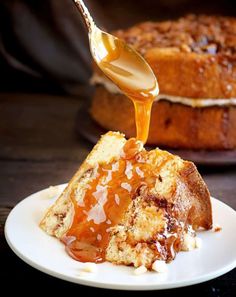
192	33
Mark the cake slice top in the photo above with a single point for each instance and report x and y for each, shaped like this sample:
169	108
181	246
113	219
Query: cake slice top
101	195
197	49
201	34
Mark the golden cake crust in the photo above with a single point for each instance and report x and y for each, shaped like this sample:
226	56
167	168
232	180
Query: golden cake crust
172	124
156	218
194	56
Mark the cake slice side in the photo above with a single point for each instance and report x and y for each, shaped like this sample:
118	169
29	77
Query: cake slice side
162	207
157	221
59	217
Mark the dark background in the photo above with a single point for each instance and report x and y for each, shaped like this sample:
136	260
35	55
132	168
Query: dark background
42	42
44	72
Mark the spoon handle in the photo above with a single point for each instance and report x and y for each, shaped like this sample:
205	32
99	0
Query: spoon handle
85	14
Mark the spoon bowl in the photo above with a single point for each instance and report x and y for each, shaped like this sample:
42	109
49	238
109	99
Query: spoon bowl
126	68
123	65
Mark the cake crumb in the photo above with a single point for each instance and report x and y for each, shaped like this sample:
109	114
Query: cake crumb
159	266
189	243
83	273
198	243
51	192
89	267
140	270
217	228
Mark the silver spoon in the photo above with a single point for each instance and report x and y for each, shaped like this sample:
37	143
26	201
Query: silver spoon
125	67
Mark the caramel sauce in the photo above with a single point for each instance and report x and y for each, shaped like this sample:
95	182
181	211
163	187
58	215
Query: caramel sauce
131	73
107	196
105	202
113	186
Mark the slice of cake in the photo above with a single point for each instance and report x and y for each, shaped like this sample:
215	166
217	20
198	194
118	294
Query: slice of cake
194	60
129	206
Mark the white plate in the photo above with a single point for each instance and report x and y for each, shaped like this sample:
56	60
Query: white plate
216	256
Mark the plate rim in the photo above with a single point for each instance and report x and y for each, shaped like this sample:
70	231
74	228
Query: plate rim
114	286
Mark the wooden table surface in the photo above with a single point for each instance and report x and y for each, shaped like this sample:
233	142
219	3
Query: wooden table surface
38	148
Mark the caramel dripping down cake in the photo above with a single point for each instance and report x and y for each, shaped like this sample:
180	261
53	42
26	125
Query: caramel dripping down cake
129	206
194	60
